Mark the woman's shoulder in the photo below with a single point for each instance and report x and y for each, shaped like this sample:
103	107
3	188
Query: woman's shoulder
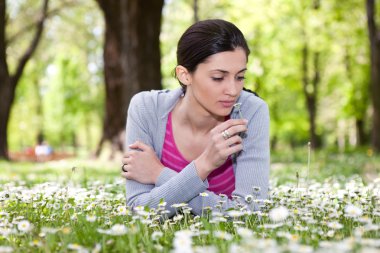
155	100
255	110
251	102
156	96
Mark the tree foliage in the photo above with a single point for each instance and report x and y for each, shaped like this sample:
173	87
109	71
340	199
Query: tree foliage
66	72
61	89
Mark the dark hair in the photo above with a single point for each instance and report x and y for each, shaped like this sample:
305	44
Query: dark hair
205	38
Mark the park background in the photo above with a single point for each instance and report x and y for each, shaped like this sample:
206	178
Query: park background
310	61
69	68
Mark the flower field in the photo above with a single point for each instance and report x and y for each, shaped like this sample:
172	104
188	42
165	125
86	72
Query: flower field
59	208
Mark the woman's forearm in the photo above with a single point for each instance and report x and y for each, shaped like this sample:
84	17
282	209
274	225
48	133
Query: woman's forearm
181	188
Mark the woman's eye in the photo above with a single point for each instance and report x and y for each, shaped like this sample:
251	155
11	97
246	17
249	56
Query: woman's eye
217	79
240	78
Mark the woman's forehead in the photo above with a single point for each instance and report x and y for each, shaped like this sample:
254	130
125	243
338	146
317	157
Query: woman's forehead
226	61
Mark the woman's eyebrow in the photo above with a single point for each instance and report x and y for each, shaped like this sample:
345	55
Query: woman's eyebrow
244	69
225	71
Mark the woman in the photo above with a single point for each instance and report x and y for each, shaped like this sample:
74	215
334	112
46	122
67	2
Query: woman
192	140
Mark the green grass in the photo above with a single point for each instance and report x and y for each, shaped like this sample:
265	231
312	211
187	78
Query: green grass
286	165
78	171
79	205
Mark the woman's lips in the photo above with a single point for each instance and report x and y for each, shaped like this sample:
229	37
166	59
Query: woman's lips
227	104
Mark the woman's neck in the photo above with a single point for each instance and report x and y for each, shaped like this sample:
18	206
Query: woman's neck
189	114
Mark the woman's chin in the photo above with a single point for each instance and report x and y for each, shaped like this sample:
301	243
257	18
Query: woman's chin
223	113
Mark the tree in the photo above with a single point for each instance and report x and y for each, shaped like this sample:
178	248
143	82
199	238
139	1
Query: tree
131	59
374	39
195	8
310	87
8	81
44	101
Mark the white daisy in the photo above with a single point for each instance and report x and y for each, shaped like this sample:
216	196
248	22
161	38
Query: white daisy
24	226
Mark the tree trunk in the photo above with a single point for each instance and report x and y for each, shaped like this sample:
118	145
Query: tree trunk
5	87
310	88
131	60
8	83
196	12
374	38
310	92
360	132
359	111
315	138
39	107
7	96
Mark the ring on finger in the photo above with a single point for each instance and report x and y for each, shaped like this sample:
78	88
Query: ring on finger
226	134
123	169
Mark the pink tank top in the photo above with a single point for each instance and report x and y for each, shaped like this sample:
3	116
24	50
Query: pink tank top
221	180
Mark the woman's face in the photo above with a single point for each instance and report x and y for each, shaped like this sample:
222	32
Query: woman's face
216	83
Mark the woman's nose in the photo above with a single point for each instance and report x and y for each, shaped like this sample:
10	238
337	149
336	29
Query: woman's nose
232	88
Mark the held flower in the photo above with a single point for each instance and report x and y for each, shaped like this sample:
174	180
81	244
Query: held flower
237	107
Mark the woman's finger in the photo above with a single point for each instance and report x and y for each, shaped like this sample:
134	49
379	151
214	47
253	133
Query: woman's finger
127	174
227	134
230	123
234	149
139	145
126	160
124	174
236	139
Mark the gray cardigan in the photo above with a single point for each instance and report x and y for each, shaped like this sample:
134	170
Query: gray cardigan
147	117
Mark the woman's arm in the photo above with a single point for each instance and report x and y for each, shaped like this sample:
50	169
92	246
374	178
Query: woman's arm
182	188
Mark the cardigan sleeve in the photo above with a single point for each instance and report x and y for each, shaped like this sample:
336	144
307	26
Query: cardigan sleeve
251	169
181	188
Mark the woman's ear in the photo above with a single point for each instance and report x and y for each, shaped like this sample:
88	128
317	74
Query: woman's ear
183	75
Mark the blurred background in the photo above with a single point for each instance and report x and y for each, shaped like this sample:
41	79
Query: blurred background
68	69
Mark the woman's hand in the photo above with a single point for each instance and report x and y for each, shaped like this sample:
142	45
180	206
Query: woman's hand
141	164
224	141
